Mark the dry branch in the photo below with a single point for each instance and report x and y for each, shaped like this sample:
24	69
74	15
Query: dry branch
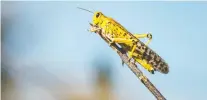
134	69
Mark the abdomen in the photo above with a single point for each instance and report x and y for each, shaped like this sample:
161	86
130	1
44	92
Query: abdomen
151	58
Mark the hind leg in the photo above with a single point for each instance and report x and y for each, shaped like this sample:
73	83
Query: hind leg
146	35
147	66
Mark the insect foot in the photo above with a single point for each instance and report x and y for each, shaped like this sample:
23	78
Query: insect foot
122	63
151	71
110	43
130	57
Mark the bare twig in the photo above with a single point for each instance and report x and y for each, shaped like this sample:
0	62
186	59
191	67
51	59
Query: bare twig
134	68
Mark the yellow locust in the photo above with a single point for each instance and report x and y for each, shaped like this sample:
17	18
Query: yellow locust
130	43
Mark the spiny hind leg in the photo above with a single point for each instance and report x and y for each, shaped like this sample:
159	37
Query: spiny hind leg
149	68
146	35
145	65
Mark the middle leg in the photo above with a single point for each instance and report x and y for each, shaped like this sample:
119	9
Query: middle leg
131	42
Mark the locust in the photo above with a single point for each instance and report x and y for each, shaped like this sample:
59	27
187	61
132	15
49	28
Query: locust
136	50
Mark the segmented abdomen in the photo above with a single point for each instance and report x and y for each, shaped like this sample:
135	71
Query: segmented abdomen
152	58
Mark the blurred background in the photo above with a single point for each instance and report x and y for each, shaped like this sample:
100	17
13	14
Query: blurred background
48	54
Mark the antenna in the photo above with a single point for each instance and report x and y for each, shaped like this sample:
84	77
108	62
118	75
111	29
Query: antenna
85	10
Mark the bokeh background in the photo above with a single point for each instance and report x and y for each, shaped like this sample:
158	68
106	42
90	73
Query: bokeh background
48	54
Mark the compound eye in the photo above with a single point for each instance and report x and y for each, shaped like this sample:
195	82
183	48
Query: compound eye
97	15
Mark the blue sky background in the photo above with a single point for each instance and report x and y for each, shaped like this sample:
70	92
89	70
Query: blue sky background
54	35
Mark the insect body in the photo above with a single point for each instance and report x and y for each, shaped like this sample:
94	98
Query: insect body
135	48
